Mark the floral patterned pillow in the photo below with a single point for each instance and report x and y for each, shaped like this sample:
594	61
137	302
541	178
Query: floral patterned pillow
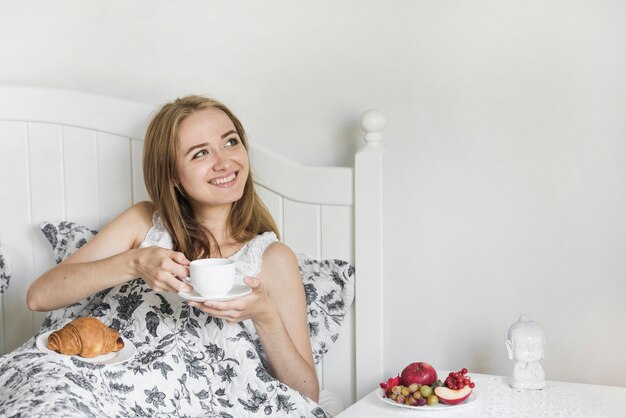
66	237
329	289
5	271
328	284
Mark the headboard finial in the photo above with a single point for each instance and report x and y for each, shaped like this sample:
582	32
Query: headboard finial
373	122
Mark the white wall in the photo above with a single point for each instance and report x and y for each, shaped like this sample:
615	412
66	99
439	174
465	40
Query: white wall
506	142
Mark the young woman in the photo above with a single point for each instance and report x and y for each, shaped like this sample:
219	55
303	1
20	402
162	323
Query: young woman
197	173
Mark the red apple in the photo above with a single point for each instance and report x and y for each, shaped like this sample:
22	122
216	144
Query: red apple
451	396
418	372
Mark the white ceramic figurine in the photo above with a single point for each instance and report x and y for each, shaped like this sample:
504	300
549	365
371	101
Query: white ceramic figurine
525	345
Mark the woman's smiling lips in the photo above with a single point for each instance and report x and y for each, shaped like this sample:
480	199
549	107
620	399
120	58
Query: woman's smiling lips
224	181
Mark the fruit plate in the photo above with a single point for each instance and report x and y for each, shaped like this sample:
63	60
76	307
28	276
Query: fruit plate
121	356
471	400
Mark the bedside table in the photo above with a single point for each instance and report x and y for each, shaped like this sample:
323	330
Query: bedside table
495	398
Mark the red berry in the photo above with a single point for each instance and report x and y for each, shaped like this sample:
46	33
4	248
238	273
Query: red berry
464	370
472	385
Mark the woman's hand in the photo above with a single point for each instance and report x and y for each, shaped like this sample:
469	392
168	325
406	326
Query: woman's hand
257	305
162	269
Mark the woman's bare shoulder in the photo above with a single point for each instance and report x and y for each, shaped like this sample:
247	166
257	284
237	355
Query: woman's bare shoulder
139	218
133	223
144	209
139	212
280	253
279	265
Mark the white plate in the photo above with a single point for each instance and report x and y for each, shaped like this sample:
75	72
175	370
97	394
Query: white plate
121	356
237	291
471	400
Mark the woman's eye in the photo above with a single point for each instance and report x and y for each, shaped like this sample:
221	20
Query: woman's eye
201	153
232	142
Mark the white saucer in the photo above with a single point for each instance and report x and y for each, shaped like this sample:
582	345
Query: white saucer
125	354
237	291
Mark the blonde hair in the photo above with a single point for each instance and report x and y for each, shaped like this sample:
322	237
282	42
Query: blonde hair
248	216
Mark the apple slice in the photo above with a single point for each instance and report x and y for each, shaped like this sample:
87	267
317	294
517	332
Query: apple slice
451	396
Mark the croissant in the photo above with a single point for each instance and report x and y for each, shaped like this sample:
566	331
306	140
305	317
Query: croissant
86	337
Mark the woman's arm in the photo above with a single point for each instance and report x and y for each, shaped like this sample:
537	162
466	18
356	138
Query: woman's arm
110	258
277	307
285	333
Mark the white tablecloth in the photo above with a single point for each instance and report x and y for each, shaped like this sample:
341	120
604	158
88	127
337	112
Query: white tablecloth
497	399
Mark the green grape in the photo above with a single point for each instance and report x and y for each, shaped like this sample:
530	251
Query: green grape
426	391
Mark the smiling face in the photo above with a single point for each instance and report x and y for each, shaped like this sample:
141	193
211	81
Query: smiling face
212	163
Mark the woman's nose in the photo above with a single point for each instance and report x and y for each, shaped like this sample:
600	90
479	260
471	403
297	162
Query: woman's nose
221	161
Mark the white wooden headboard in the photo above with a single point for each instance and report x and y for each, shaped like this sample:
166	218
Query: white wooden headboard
67	155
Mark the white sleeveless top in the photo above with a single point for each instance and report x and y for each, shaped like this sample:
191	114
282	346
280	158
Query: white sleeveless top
247	260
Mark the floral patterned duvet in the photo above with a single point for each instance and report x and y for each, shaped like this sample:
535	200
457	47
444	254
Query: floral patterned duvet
187	364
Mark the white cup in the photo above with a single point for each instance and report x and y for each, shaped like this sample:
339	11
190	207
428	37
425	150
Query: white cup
212	276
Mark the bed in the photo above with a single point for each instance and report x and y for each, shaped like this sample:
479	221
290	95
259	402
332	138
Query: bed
68	156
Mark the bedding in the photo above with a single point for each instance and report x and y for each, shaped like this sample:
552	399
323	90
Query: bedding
5	271
186	363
